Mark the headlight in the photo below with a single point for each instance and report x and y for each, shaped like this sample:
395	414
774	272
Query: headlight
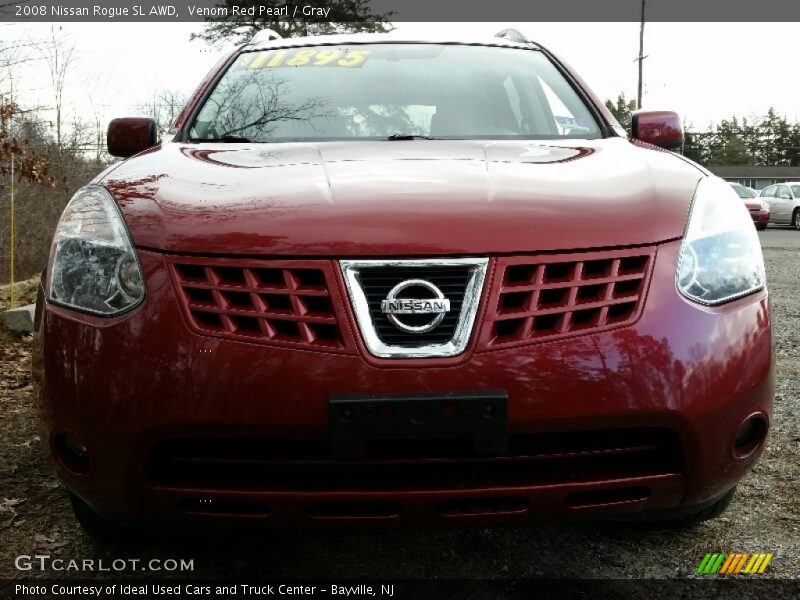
93	265
720	256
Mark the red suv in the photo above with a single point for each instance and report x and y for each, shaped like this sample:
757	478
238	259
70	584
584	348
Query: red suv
372	280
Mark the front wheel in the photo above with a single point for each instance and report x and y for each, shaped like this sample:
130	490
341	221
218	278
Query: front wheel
706	513
761	227
96	525
684	517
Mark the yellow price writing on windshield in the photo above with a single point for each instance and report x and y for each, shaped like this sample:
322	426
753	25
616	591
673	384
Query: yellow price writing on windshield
307	57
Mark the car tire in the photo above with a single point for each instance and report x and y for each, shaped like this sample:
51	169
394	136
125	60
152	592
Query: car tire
761	227
95	524
707	512
796	219
684	517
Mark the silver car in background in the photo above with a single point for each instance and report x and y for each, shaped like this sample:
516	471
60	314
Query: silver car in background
784	203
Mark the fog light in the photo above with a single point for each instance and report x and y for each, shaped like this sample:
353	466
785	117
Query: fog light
750	436
71	452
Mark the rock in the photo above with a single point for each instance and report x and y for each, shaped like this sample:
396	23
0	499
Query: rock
20	319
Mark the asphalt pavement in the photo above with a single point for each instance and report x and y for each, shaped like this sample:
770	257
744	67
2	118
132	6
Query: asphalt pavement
777	236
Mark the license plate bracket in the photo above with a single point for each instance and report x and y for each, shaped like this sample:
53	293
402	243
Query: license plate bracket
482	415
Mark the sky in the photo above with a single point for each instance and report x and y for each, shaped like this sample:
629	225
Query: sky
705	71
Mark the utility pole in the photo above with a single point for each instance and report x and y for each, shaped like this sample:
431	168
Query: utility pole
12	223
641	58
11	274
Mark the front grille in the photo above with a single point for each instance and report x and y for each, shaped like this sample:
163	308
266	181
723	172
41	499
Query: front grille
554	296
377	282
436	463
277	302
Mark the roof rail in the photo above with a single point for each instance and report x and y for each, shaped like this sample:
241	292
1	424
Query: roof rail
265	35
512	35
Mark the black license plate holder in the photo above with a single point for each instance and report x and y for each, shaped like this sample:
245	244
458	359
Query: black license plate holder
482	415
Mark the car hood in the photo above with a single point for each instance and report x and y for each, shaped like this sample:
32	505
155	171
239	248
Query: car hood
418	197
753	204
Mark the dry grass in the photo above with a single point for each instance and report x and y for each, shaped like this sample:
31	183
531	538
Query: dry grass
37	210
24	293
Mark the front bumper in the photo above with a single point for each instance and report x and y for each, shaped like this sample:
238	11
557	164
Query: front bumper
637	418
760	217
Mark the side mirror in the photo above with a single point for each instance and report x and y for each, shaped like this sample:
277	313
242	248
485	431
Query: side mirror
130	135
660	128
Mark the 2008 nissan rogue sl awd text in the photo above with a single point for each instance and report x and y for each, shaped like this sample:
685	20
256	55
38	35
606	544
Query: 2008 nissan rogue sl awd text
366	279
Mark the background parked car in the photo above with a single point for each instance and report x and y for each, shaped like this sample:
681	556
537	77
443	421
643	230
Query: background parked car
759	209
784	203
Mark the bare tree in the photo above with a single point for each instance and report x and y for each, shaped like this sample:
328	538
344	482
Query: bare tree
252	105
58	52
99	94
164	108
346	16
12	54
9	58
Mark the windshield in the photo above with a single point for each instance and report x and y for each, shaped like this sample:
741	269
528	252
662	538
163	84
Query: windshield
742	191
383	90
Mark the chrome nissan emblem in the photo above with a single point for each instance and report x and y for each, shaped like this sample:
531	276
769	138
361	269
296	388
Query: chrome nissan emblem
437	306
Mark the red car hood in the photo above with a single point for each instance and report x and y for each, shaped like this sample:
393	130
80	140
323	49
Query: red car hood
752	204
402	198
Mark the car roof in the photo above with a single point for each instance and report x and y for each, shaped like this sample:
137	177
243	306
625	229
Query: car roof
393	37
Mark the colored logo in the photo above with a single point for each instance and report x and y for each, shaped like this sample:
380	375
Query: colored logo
727	564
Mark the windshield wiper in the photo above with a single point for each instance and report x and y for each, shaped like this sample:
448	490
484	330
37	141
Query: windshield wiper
395	137
228	139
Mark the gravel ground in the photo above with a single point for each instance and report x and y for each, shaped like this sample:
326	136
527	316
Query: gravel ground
35	517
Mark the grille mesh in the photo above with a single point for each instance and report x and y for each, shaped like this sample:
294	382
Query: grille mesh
295	303
261	301
554	296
